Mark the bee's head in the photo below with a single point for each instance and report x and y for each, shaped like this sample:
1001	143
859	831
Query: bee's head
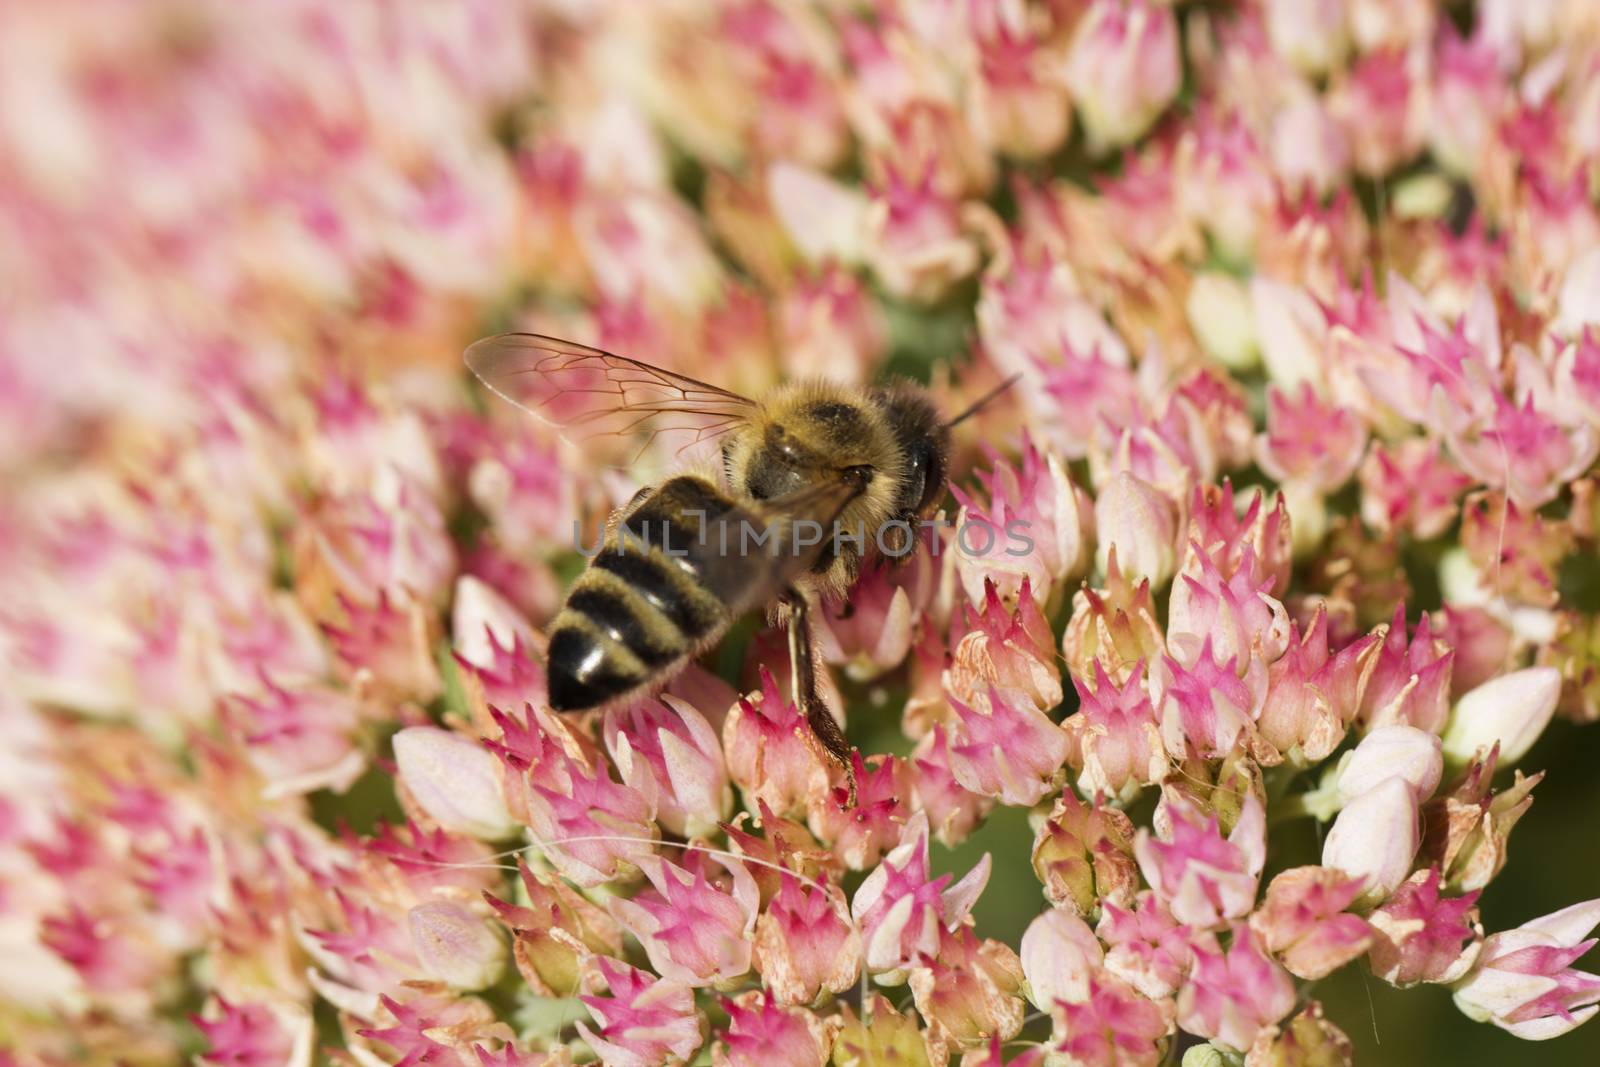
924	441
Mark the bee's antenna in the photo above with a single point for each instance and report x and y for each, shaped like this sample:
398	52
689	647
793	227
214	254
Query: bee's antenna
979	404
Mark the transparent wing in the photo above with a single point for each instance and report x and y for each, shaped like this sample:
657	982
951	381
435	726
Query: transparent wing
589	393
802	528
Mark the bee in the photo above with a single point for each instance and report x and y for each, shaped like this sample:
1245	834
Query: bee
814	479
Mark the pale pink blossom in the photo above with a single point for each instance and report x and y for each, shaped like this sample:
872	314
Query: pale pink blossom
763	1033
1309	440
640	1021
806	942
1304	922
1029	529
1524	981
1421	935
1006	748
1114	739
900	910
1146	946
693	931
667	751
1206	880
1411	487
1059	956
1123	69
1375	838
770	752
1232	995
1113	1026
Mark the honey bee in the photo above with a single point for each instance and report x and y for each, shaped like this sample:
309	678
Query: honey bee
815	478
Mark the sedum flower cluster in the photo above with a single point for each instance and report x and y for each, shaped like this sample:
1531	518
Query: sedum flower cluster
1302	298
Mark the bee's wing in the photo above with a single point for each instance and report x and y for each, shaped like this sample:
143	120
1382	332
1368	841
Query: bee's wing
589	393
799	529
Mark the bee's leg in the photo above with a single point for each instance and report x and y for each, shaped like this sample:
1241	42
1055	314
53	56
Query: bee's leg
803	672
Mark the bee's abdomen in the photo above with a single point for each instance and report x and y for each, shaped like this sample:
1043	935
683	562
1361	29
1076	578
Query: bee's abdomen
630	617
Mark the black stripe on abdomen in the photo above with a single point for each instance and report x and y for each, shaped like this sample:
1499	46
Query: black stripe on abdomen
648	575
613	616
582	673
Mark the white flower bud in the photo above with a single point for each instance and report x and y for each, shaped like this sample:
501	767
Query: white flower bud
1512	709
455	780
1059	955
1376	837
455	946
1132	516
1403	752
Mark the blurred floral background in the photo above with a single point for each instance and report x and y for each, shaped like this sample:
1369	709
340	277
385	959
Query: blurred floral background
1304	296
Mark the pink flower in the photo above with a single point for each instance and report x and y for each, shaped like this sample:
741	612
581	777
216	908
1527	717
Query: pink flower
858	835
1145	946
521	486
1303	921
1525	451
1517	551
643	1021
1204	708
1310	440
916	242
1524	981
1224	533
386	648
1030	530
1232	995
970	990
1403	752
900	911
299	738
1032	320
1112	1027
1233	616
1380	106
1113	628
1410	683
455	780
1113	739
254	1035
455	946
806	943
763	1033
1312	695
667	751
591	827
1123	69
1076	390
1016	106
554	933
1140	525
1311	34
869	631
1011	649
693	932
1410	487
1422	935
391	541
830	327
1469	97
770	752
1205	880
1006	749
953	810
